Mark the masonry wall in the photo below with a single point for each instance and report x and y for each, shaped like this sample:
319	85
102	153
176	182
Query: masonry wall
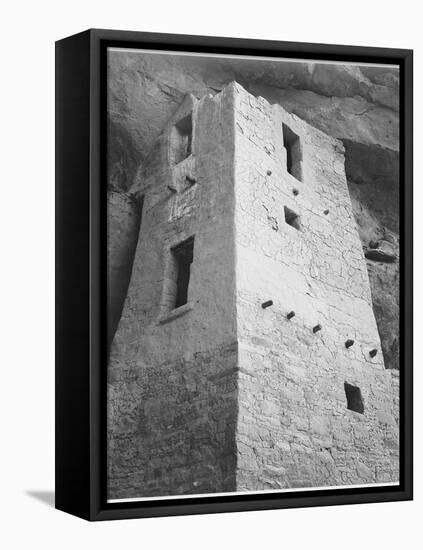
173	372
294	428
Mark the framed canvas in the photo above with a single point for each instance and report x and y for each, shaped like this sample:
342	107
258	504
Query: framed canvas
234	274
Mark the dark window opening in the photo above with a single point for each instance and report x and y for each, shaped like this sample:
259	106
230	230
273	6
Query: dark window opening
292	218
183	255
182	139
294	154
354	398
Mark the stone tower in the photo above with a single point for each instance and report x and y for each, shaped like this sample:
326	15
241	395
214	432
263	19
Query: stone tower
247	356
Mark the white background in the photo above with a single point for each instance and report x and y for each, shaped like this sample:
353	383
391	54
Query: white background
29	30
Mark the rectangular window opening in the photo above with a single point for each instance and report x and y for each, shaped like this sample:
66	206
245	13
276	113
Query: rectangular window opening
292	218
183	255
182	139
294	154
354	398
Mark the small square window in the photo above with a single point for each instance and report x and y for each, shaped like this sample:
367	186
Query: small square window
292	218
354	398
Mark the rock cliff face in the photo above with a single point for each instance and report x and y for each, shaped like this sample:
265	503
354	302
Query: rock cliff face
358	105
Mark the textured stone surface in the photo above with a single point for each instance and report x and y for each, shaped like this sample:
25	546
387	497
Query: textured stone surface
224	394
293	426
123	225
358	105
172	385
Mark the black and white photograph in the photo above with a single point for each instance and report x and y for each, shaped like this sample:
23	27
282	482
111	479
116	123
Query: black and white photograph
211	236
253	275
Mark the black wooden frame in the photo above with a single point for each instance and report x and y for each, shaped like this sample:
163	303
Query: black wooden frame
80	283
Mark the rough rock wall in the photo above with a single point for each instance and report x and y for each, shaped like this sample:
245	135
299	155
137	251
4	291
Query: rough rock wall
294	427
358	105
123	224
